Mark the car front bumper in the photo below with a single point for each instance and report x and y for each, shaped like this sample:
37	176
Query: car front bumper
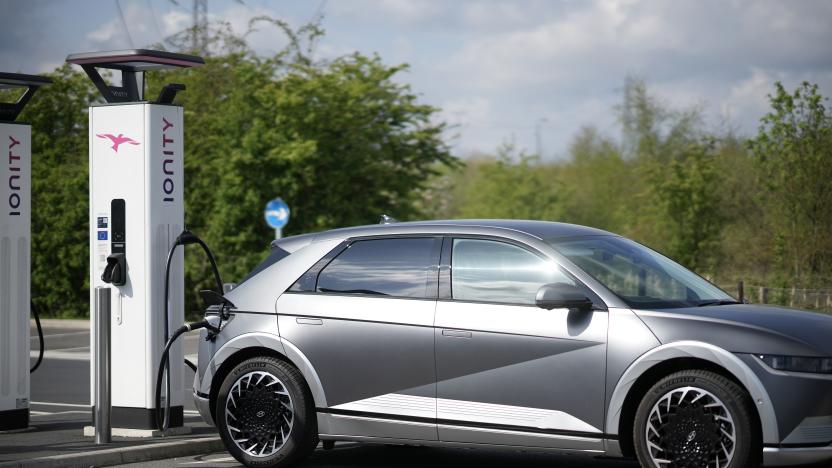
203	405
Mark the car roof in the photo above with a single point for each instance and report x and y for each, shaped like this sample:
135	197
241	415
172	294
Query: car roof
538	229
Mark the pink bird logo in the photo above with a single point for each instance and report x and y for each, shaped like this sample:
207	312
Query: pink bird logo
117	140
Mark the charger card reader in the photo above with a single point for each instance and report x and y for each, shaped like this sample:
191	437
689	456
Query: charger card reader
116	270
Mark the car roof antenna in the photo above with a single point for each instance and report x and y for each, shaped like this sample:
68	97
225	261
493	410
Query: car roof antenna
387	219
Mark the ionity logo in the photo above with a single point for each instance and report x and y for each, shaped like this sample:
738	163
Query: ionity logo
117	140
14	179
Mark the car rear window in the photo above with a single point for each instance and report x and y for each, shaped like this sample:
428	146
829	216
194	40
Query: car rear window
403	267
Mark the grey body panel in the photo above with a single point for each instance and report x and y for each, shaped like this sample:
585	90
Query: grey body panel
629	339
746	328
509	375
359	347
358	358
510	344
705	352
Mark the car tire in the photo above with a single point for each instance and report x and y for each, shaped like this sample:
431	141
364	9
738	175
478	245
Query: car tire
696	418
265	414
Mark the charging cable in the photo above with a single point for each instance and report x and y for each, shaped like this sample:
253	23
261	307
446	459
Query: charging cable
185	238
163	422
40	338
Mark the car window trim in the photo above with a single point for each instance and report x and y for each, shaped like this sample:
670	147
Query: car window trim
361	295
310	276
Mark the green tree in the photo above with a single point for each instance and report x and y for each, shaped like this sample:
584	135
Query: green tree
597	180
511	186
687	190
794	151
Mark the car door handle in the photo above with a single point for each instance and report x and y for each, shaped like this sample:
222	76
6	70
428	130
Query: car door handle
456	333
309	321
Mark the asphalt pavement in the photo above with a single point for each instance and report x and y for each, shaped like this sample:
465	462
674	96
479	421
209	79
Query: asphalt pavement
60	404
63	377
351	455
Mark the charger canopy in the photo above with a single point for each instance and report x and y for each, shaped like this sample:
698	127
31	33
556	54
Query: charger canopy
10	110
132	64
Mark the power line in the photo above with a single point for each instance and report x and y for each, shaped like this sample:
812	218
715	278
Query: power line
124	24
155	21
199	38
319	12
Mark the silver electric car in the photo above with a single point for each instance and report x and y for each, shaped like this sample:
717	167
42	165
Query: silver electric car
510	334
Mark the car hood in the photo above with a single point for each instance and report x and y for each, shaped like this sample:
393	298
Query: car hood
745	328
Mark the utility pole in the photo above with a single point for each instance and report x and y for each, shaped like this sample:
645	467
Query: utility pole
537	136
199	33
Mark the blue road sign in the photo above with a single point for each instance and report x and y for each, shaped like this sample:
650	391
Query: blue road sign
277	213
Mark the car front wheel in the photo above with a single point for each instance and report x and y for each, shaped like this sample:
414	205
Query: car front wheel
698	419
265	416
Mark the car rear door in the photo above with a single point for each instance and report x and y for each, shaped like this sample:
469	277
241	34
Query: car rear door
509	372
363	317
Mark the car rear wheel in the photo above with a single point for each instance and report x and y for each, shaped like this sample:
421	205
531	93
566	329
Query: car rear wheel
695	419
265	416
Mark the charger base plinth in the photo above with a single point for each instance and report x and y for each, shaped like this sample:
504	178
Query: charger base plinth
89	431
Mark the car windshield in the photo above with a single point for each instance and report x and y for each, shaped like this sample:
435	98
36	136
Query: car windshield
641	277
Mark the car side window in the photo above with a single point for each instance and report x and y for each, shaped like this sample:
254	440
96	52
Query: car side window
493	271
403	267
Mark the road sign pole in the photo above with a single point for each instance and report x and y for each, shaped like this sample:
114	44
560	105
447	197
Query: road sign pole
277	216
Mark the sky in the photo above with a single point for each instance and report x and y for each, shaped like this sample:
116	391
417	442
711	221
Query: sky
500	71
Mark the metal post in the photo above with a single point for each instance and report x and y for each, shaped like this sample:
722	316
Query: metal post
763	295
741	291
278	233
103	431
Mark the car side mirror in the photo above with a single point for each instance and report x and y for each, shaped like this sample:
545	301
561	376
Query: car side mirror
562	296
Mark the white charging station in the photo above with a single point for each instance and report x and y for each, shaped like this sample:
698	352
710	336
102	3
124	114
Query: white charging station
136	213
15	251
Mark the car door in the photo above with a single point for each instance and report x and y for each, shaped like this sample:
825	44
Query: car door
509	372
363	317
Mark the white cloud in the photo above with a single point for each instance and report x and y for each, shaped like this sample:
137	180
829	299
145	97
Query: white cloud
107	32
466	111
590	39
398	11
497	14
175	21
749	96
496	66
112	34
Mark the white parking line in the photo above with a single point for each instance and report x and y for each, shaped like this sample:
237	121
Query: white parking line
47	413
70	356
213	460
68	405
79	348
61	334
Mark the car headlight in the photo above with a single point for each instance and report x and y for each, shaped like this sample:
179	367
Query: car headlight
814	365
